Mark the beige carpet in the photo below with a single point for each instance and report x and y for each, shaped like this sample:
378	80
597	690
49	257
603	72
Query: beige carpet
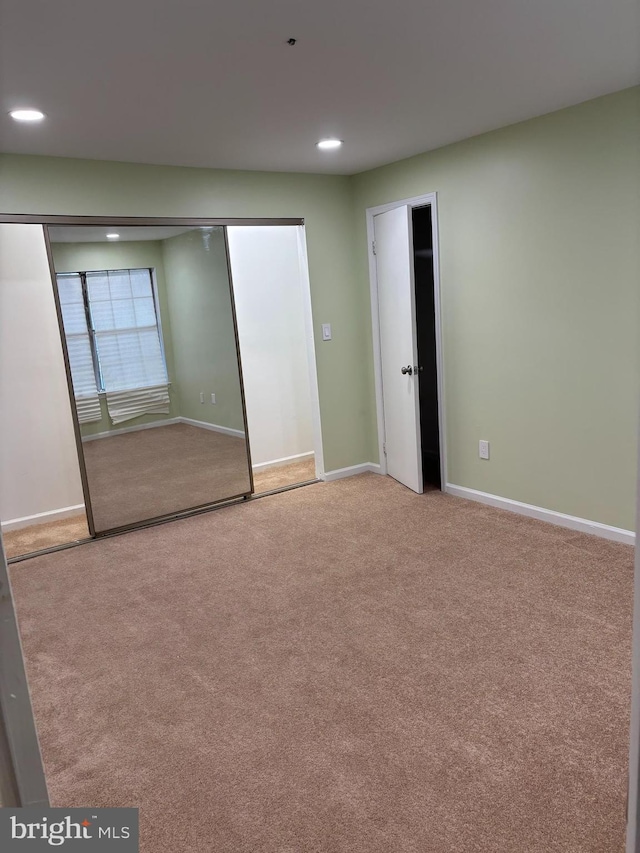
343	668
153	472
38	536
284	475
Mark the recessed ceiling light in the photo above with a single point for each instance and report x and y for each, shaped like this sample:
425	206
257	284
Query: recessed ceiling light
329	144
26	115
113	236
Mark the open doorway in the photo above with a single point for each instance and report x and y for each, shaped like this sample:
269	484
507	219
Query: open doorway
426	339
403	264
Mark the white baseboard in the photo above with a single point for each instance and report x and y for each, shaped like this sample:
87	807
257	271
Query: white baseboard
238	433
111	432
605	531
286	460
42	517
351	471
153	424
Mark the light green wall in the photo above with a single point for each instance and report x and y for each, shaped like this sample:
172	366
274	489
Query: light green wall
202	331
539	228
76	257
31	184
540	276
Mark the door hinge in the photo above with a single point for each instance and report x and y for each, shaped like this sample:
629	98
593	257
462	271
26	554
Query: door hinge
384	447
373	247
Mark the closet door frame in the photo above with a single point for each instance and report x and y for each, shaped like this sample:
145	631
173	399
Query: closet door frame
124	221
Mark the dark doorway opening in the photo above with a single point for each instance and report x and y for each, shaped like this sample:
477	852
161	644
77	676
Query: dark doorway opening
426	335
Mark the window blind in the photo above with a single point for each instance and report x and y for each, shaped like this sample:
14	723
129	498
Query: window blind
113	340
124	320
74	321
127	341
124	405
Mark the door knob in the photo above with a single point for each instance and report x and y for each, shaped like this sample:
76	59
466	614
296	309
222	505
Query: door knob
405	370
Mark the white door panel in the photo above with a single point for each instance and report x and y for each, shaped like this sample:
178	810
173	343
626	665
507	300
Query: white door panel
396	307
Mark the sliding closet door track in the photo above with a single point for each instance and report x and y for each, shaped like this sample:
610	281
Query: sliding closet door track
153	522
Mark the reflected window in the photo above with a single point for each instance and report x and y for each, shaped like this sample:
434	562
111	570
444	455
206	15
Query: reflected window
112	327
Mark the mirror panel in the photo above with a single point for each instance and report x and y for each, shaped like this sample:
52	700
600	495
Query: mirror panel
149	326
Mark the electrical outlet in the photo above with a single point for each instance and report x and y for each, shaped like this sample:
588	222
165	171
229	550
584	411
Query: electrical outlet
202	396
483	449
213	399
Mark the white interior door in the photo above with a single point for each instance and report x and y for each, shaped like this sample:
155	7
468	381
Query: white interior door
398	345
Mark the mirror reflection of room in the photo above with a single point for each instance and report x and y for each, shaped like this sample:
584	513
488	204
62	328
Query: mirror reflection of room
157	389
148	320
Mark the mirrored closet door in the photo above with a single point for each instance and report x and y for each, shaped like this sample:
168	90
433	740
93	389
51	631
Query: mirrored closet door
149	329
123	395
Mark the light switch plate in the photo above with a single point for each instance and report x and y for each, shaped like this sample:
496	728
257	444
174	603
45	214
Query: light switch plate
326	331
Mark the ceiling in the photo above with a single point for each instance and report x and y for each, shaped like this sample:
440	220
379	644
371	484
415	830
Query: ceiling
192	82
